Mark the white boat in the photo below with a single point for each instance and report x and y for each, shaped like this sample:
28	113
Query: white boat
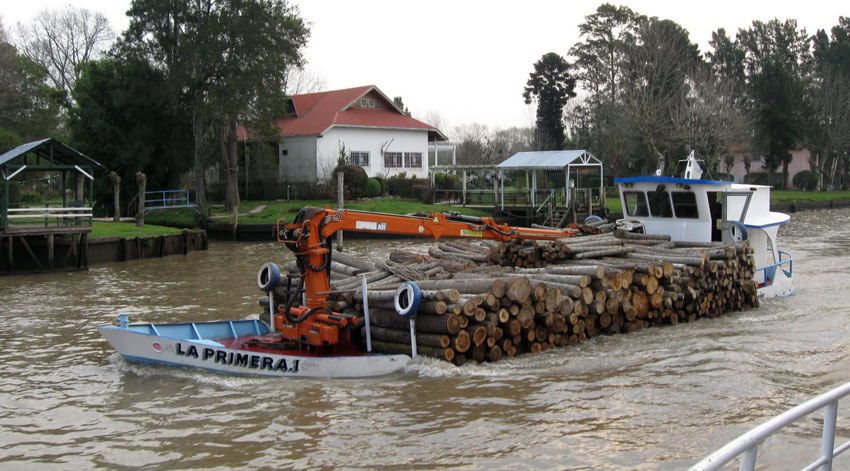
697	210
240	347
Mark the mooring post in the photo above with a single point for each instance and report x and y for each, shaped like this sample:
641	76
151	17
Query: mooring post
340	179
366	313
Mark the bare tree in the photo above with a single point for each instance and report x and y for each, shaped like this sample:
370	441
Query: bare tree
300	80
658	68
60	41
434	118
4	35
712	121
832	99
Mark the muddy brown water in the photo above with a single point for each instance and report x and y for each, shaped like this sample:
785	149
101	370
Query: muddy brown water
657	399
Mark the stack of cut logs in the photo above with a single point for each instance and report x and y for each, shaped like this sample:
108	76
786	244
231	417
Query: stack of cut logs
483	301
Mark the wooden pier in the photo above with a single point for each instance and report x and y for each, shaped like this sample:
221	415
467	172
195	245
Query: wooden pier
36	236
46	248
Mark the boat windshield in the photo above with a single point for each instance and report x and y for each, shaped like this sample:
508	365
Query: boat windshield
685	205
636	203
659	204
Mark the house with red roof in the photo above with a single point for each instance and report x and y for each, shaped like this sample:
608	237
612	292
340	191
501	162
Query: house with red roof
360	123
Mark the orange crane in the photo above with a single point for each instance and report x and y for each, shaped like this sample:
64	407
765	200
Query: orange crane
309	237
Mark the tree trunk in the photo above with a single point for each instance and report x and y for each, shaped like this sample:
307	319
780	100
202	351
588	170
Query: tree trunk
80	187
785	174
231	163
199	168
116	204
141	180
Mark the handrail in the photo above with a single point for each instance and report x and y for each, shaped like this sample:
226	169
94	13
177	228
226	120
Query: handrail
551	196
48	214
160	199
746	445
782	261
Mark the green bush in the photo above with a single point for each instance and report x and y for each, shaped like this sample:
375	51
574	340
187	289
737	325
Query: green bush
445	181
383	184
354	182
30	198
403	187
424	193
373	188
805	180
185	218
14	191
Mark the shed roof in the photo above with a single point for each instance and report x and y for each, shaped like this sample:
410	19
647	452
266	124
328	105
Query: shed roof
548	160
50	149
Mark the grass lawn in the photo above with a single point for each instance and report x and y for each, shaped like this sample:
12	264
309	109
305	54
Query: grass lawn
275	210
287	209
129	229
791	196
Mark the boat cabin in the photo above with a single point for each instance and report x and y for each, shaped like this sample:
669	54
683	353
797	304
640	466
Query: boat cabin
697	210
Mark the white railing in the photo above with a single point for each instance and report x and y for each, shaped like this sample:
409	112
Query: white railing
57	214
746	446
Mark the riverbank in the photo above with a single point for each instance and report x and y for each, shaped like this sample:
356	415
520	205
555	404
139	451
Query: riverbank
121	249
36	254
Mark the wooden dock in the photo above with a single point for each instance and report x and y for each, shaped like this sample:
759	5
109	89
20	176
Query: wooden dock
36	248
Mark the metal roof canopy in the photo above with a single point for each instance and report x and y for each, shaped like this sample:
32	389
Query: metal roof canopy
55	152
51	155
556	160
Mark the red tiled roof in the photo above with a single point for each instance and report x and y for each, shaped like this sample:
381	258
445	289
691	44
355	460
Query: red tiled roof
317	112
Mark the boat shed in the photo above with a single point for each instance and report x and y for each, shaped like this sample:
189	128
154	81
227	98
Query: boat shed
23	225
571	162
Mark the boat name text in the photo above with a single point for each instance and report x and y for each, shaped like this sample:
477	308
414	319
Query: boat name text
244	360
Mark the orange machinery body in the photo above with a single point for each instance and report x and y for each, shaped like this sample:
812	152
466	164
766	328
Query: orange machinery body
309	237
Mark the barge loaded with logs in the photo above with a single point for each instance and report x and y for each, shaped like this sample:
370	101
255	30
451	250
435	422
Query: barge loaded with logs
688	248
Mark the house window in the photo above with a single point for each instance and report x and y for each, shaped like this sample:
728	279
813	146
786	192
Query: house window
360	158
392	160
413	159
367	102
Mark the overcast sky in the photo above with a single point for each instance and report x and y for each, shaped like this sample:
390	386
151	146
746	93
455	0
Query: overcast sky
468	61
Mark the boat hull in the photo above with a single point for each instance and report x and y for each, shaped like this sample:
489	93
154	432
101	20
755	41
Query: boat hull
138	346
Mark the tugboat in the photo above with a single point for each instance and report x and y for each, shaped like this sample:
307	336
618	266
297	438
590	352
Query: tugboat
708	211
304	338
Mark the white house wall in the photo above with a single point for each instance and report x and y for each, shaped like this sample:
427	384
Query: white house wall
370	140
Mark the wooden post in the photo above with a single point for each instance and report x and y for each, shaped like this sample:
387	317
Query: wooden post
80	182
235	226
572	207
11	254
84	251
50	252
116	186
340	200
463	189
141	180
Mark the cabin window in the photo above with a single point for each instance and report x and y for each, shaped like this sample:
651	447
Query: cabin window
635	203
659	204
413	159
360	158
685	204
392	159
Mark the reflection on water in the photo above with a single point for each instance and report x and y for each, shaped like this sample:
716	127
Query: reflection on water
656	399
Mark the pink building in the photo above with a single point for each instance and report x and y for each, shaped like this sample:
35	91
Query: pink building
799	162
